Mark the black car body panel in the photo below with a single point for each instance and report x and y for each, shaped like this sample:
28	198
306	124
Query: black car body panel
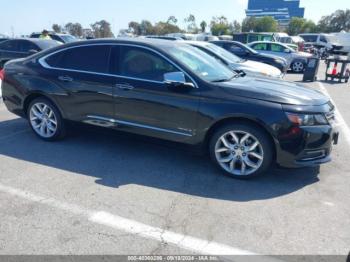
244	52
150	107
20	48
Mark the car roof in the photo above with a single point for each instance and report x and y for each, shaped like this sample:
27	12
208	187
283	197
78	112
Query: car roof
158	44
33	40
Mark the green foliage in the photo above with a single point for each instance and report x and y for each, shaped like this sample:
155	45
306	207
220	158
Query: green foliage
160	28
203	26
102	29
249	24
336	22
191	24
75	29
263	24
220	26
300	25
57	28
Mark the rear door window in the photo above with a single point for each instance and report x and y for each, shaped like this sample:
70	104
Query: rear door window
94	58
11	46
277	48
260	46
26	46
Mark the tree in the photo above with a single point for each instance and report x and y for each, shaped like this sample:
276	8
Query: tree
163	28
146	28
102	29
134	28
263	24
220	26
172	20
191	24
336	22
266	24
235	27
203	26
249	24
57	28
74	29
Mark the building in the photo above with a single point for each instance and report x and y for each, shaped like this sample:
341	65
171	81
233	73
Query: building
281	10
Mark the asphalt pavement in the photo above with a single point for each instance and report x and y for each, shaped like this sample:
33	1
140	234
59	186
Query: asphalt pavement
101	192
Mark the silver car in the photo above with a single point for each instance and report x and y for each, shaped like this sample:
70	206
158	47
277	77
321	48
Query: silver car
296	60
250	68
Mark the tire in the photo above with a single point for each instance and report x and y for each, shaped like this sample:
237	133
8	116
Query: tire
45	120
298	67
247	155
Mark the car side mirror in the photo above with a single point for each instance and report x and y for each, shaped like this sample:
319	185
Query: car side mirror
177	81
33	51
287	51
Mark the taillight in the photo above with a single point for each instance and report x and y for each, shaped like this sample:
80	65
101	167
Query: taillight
2	74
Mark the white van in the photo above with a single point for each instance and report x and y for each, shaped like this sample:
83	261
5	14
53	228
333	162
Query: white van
328	41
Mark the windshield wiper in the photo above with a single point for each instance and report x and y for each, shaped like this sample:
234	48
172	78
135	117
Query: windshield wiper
226	79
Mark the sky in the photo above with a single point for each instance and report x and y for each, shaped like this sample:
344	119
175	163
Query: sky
23	17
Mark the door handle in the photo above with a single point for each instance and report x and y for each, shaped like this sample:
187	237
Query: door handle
124	86
65	79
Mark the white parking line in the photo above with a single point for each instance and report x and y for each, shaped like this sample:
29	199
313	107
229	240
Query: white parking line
340	119
189	243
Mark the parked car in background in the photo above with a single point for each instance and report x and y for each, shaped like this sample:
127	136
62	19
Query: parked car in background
19	48
245	52
3	39
63	38
343	39
246	38
173	91
171	38
328	41
239	65
296	60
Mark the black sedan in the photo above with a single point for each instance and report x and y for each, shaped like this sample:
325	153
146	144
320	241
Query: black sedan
171	90
19	48
245	52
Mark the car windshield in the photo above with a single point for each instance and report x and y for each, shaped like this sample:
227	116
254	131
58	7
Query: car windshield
68	38
201	64
223	53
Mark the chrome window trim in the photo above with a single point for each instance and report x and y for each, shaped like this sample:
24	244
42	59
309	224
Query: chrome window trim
42	62
127	123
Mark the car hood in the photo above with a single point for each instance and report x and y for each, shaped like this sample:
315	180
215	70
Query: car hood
259	69
277	91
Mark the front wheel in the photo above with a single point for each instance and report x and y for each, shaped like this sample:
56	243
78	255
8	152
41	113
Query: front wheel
241	150
45	120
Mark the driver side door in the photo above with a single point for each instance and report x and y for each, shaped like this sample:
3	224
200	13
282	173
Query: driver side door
143	102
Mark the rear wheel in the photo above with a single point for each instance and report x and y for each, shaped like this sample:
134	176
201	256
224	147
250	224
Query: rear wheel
241	150
298	67
45	120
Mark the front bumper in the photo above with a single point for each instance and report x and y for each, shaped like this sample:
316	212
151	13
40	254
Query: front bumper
307	147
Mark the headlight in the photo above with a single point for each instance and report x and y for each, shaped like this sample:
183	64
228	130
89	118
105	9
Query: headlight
307	119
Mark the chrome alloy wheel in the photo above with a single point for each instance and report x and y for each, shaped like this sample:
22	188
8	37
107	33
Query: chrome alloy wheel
298	67
239	153
43	120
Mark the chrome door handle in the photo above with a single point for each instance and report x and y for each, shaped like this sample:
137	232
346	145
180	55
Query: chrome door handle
65	79
124	86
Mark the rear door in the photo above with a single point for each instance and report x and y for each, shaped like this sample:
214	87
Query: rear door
143	102
82	72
